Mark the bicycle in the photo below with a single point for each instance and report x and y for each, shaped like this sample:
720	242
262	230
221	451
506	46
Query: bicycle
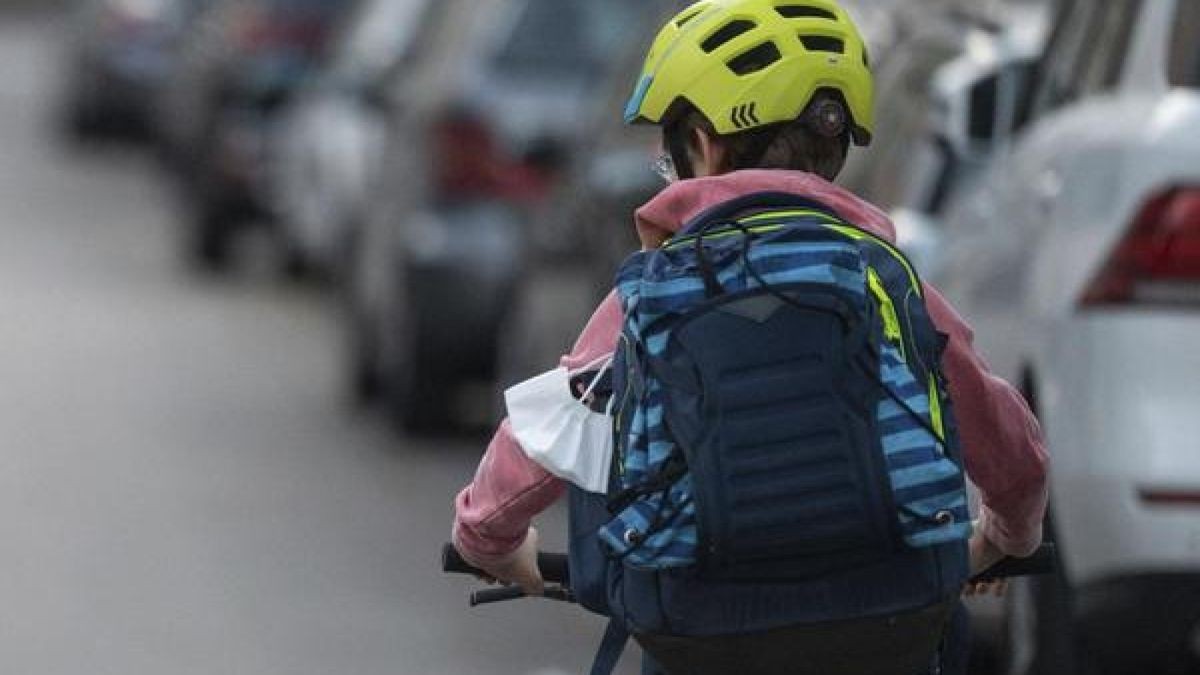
555	571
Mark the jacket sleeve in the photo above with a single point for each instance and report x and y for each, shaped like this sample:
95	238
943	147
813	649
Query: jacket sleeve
493	513
1002	441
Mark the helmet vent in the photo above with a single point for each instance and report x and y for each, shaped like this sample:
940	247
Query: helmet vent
823	43
805	12
755	59
696	11
727	34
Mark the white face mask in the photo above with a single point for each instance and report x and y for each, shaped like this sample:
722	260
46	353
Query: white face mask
559	432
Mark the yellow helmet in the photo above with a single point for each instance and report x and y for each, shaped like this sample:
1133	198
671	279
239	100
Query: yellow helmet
746	64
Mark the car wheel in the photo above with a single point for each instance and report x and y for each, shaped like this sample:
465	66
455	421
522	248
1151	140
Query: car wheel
416	384
1019	639
419	399
417	389
363	357
80	123
360	343
1040	635
295	264
210	245
80	119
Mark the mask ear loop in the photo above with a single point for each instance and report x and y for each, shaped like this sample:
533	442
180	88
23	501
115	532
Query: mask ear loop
587	393
606	359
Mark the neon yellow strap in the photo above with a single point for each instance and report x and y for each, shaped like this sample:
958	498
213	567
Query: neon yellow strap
748	226
855	233
829	221
887	309
799	213
935	408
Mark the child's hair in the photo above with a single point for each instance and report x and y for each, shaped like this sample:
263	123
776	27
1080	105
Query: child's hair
791	146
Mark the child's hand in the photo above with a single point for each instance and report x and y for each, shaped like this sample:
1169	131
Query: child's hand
521	567
997	588
984	554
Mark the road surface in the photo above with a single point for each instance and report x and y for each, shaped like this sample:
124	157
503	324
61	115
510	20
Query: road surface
183	489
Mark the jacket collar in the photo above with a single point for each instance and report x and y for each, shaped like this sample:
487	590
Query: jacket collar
680	202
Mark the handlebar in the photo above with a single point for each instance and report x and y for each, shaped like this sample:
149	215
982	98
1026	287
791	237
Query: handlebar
554	570
553	567
1043	561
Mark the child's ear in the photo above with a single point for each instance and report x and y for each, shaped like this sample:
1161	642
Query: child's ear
708	153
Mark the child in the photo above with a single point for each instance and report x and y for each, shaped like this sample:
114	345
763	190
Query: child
759	105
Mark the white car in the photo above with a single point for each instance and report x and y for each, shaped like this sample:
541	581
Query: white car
329	142
1077	260
955	89
491	108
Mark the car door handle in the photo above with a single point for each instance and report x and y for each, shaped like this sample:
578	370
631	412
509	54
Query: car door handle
1047	190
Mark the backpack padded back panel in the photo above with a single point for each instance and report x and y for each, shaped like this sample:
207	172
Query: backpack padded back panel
764	396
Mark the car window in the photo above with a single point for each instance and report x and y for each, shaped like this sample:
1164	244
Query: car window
955	172
1185	45
984	98
1058	71
1022	80
571	39
1107	44
1030	104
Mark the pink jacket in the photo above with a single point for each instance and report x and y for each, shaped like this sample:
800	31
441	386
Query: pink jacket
1002	441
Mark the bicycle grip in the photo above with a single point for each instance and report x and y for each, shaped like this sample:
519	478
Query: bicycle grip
552	565
1043	561
491	595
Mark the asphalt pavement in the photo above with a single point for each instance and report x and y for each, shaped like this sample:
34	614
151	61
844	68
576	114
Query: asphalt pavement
183	487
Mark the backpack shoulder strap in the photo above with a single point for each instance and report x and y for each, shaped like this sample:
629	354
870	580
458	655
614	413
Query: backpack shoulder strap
611	647
757	201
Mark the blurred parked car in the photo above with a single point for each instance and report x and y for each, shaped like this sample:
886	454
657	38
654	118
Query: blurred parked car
479	134
1077	259
119	57
237	68
330	139
586	229
952	96
886	171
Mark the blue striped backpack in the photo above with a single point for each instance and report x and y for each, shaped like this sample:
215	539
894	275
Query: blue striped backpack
786	452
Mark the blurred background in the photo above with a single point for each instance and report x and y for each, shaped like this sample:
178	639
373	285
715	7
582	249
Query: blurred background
268	264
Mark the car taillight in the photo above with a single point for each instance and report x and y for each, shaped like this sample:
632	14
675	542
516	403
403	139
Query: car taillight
258	31
470	163
464	155
1158	260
